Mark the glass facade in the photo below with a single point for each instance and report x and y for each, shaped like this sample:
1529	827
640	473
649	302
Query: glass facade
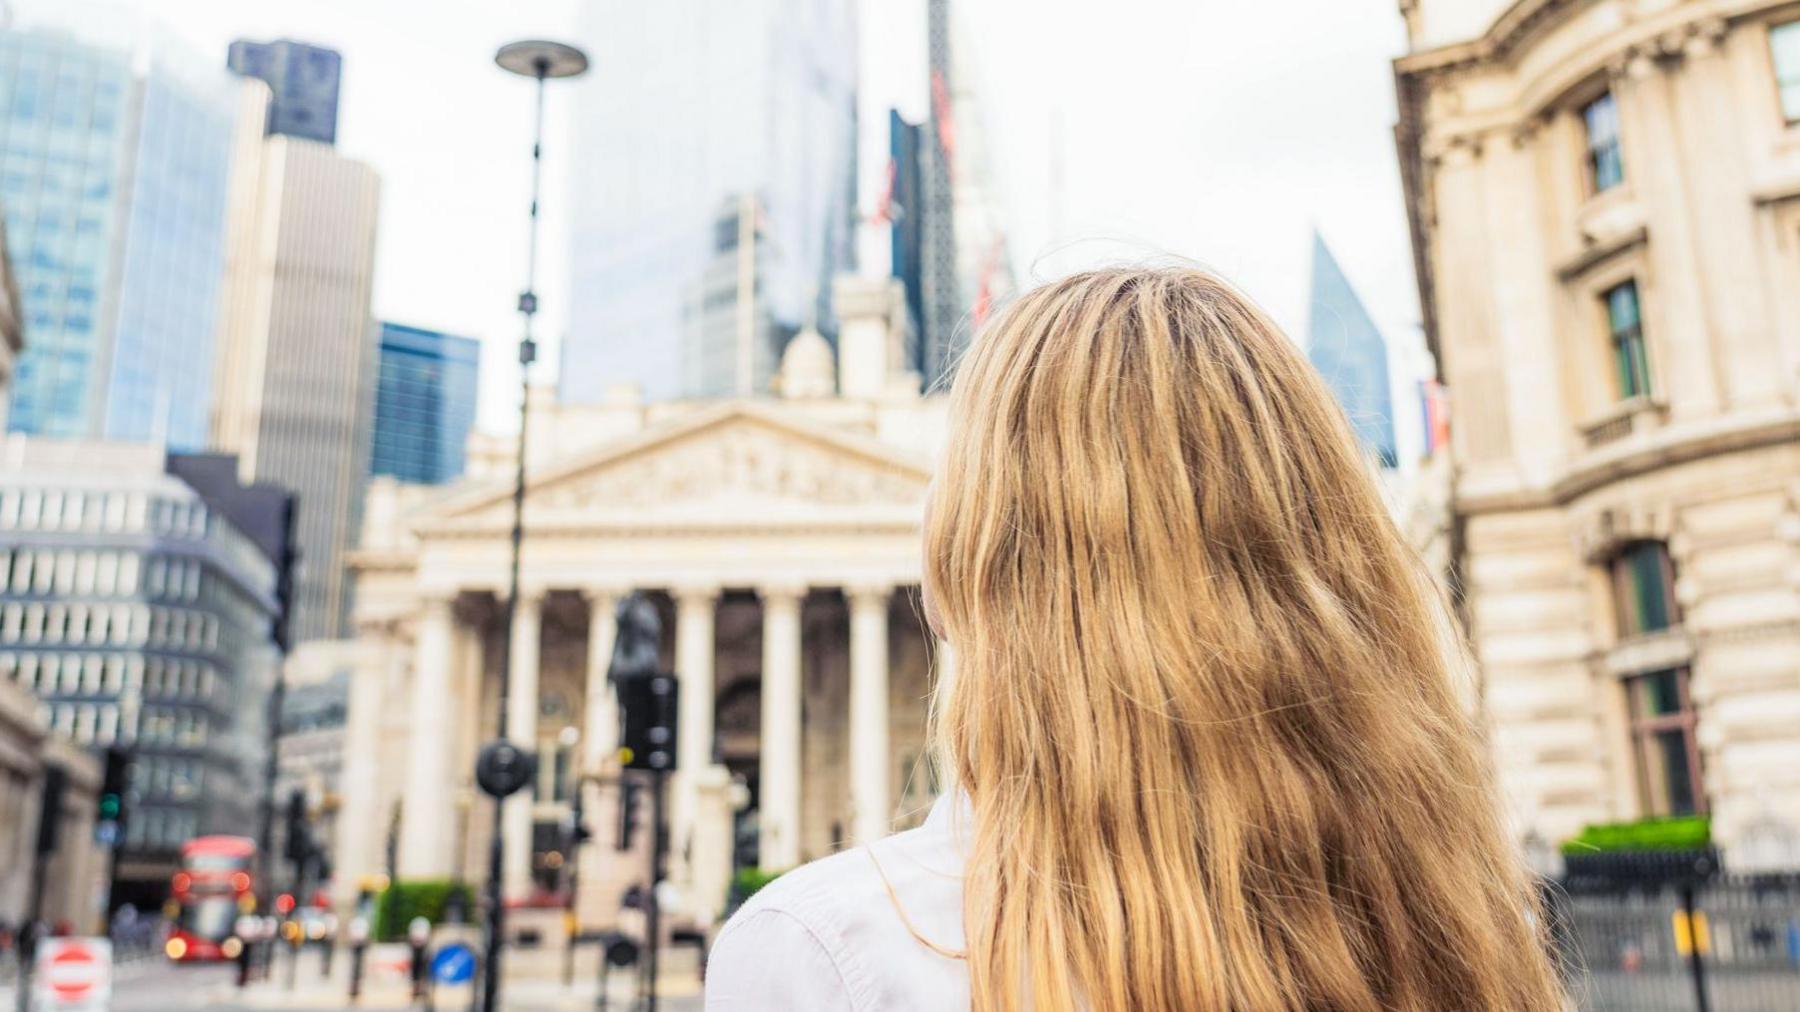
763	93
424	404
1348	350
113	179
139	617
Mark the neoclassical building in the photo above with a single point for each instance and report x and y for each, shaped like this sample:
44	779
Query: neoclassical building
779	538
1605	201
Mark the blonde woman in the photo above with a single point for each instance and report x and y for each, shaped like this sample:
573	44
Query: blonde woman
1209	748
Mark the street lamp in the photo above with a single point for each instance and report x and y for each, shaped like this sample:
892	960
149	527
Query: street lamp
504	768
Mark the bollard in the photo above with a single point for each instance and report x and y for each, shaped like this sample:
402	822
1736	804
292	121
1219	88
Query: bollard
359	942
418	933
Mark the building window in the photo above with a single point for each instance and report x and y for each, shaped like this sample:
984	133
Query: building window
1662	738
1606	167
1625	325
1644	588
1784	43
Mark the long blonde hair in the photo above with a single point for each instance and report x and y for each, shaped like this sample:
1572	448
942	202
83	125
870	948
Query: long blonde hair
1203	707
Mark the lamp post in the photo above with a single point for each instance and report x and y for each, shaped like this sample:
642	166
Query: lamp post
540	61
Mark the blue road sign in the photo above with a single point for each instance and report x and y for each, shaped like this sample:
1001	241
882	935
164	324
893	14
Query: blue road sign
453	964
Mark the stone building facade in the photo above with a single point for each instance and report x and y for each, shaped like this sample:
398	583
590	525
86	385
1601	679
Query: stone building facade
1605	201
75	879
778	537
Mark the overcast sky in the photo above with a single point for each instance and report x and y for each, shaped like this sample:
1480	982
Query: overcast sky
1214	130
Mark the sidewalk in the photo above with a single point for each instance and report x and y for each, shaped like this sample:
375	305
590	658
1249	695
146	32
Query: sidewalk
532	982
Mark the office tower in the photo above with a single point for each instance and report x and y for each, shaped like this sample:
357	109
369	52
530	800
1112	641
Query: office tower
964	267
303	85
295	372
424	403
115	148
904	211
140	613
1347	348
696	113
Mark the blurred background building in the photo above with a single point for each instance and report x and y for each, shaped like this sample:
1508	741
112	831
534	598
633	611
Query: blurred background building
295	373
314	711
1348	350
718	196
424	404
140	613
77	867
1605	199
303	85
115	149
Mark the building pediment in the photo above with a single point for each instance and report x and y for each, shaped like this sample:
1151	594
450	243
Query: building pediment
736	464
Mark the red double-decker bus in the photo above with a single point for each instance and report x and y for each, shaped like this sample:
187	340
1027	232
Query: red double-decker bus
215	885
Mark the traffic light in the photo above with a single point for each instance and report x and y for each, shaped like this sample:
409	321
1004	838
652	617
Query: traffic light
299	840
629	790
284	904
647	715
109	821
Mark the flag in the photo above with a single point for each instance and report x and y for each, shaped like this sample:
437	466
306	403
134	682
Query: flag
984	293
1436	402
940	111
884	206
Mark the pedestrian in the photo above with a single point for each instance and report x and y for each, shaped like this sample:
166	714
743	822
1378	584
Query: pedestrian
1205	724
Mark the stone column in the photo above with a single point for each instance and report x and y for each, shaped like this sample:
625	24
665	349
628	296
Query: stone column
870	805
600	726
779	806
695	608
521	730
426	812
358	824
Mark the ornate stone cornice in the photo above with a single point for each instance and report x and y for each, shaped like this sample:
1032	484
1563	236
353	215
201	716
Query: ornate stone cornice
1528	20
1621	461
538	531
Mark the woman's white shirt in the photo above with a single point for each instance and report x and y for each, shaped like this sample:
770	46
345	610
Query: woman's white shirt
843	934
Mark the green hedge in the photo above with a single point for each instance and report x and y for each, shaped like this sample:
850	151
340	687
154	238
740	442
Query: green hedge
399	903
748	881
1681	832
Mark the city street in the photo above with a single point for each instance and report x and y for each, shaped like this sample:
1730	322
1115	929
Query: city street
155	985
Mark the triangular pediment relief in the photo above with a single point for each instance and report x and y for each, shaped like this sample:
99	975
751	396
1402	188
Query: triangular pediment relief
739	462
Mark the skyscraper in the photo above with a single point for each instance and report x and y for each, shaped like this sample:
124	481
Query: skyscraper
295	372
698	111
424	403
302	80
1347	348
114	154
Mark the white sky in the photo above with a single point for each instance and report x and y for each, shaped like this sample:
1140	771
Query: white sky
1215	130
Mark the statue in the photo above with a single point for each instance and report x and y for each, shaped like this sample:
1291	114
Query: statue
638	647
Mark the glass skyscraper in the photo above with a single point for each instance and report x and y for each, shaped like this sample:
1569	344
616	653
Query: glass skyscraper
1347	348
114	159
697	113
303	81
424	403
